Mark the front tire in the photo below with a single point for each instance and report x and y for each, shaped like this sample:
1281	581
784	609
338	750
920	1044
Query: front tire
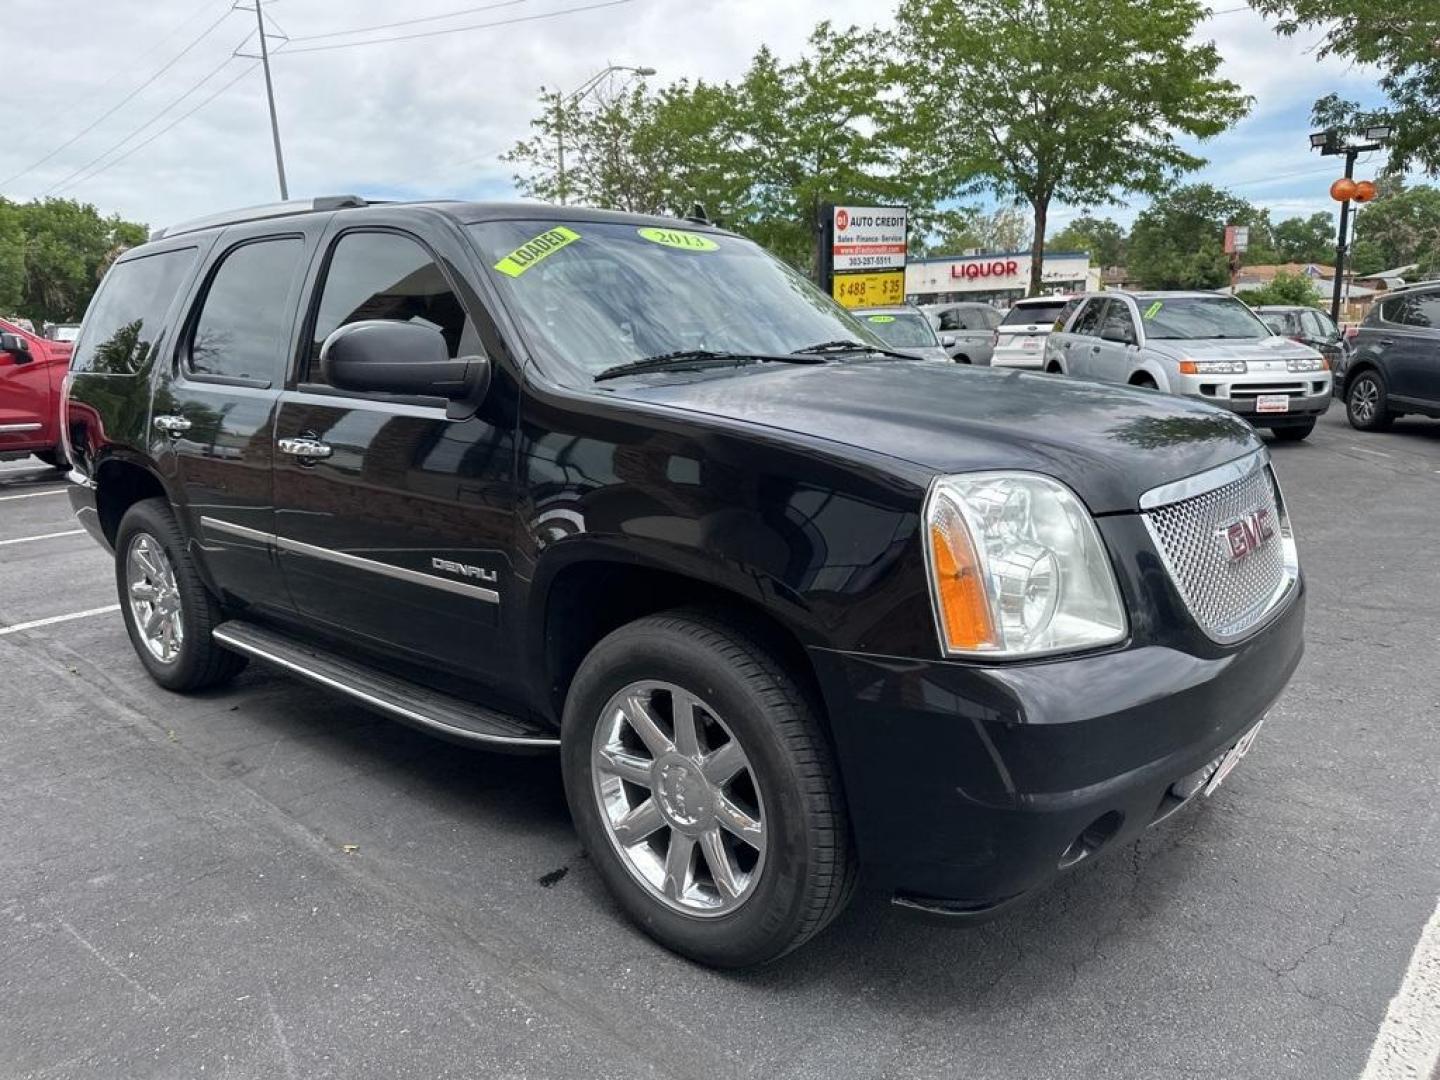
704	790
167	609
1366	402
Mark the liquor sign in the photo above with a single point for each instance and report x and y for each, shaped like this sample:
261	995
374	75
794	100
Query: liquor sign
863	254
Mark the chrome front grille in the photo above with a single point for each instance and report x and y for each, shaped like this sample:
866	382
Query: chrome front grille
1190	523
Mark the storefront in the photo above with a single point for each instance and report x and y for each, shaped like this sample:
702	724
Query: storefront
998	278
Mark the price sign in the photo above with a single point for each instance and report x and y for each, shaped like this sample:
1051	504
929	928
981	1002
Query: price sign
869	290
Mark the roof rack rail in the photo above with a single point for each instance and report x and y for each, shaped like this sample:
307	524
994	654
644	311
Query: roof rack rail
259	213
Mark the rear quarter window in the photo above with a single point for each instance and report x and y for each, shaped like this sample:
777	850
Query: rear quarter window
127	314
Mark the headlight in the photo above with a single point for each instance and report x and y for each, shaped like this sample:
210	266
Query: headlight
1017	568
1212	367
1307	363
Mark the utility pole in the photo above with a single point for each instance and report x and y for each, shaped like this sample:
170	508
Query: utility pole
562	101
270	97
1342	245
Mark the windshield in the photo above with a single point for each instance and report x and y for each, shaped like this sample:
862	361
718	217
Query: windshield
1200	317
902	329
1026	314
601	294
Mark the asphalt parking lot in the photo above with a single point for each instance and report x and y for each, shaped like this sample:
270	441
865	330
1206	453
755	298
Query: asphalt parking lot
271	882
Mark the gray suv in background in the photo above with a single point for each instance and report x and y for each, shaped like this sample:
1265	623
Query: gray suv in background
1196	344
1394	365
971	324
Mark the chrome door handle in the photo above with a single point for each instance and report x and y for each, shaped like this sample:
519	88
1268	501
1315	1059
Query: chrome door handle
174	426
305	449
1387	341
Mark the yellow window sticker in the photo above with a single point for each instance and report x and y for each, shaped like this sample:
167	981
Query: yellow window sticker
1154	309
532	251
679	239
880	318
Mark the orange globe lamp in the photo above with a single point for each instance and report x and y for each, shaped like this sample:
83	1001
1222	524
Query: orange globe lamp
1343	189
1364	191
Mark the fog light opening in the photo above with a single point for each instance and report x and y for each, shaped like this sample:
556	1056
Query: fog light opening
1095	836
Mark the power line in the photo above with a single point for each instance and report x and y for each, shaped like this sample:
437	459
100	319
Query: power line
119	104
178	120
454	29
409	22
136	131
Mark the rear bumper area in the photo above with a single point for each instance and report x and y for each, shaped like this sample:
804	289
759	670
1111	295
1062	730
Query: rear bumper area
970	786
1028	359
84	505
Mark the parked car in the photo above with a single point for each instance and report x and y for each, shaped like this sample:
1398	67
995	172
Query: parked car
1309	326
1394	367
1195	344
1020	337
32	370
907	329
63	332
972	325
795	613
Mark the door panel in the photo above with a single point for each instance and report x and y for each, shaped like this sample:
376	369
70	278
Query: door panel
398	537
1412	358
1115	358
213	421
25	399
1081	346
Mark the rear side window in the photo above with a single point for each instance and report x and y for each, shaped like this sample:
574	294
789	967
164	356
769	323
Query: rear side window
243	330
388	276
1088	321
128	312
1025	314
1414	309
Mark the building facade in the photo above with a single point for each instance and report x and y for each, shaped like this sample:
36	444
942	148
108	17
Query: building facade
999	277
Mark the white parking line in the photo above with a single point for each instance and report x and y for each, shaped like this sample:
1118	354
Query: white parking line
57	619
33	494
42	536
1408	1046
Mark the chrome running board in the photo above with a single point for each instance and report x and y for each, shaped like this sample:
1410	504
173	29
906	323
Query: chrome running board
440	714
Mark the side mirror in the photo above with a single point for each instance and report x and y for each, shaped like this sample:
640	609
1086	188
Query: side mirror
1124	337
947	340
412	359
16	346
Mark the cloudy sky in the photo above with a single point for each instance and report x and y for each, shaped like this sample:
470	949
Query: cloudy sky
429	115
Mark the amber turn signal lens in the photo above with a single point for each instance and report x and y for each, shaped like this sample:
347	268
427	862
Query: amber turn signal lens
1187	367
964	608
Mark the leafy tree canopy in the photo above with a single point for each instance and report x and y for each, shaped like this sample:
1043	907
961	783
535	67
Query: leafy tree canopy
1179	241
1285	288
1101	237
1400	227
53	254
1402	39
1070	100
1306	239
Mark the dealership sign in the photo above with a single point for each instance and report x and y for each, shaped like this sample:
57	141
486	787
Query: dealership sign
869	238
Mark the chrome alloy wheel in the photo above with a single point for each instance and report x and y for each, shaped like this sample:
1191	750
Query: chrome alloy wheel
679	799
154	597
1365	400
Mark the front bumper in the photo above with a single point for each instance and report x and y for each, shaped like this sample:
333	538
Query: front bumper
970	786
1308	394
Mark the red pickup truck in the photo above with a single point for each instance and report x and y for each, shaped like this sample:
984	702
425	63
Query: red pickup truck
32	374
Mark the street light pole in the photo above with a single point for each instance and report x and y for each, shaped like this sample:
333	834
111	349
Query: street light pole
1340	244
1328	143
564	101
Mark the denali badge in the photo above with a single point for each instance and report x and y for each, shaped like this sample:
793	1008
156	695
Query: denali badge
463	570
1248	534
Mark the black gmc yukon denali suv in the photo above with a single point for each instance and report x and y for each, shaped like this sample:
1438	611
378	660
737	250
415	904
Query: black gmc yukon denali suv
796	611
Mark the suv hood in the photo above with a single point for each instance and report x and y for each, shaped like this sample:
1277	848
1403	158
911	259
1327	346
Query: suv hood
1109	443
1258	349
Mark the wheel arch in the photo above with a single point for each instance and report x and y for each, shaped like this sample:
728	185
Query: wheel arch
121	482
579	601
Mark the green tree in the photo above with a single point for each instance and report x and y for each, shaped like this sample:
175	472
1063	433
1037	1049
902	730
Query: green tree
1075	100
1402	226
1285	288
67	247
1400	38
1306	240
1178	242
12	258
1102	238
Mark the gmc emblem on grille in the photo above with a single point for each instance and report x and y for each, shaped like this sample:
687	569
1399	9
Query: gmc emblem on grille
1248	534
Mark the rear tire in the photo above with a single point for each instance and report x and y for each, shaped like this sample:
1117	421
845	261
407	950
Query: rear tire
1366	402
961	358
654	807
168	612
1294	432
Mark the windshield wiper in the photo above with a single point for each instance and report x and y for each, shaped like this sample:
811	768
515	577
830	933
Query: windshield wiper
698	359
832	348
